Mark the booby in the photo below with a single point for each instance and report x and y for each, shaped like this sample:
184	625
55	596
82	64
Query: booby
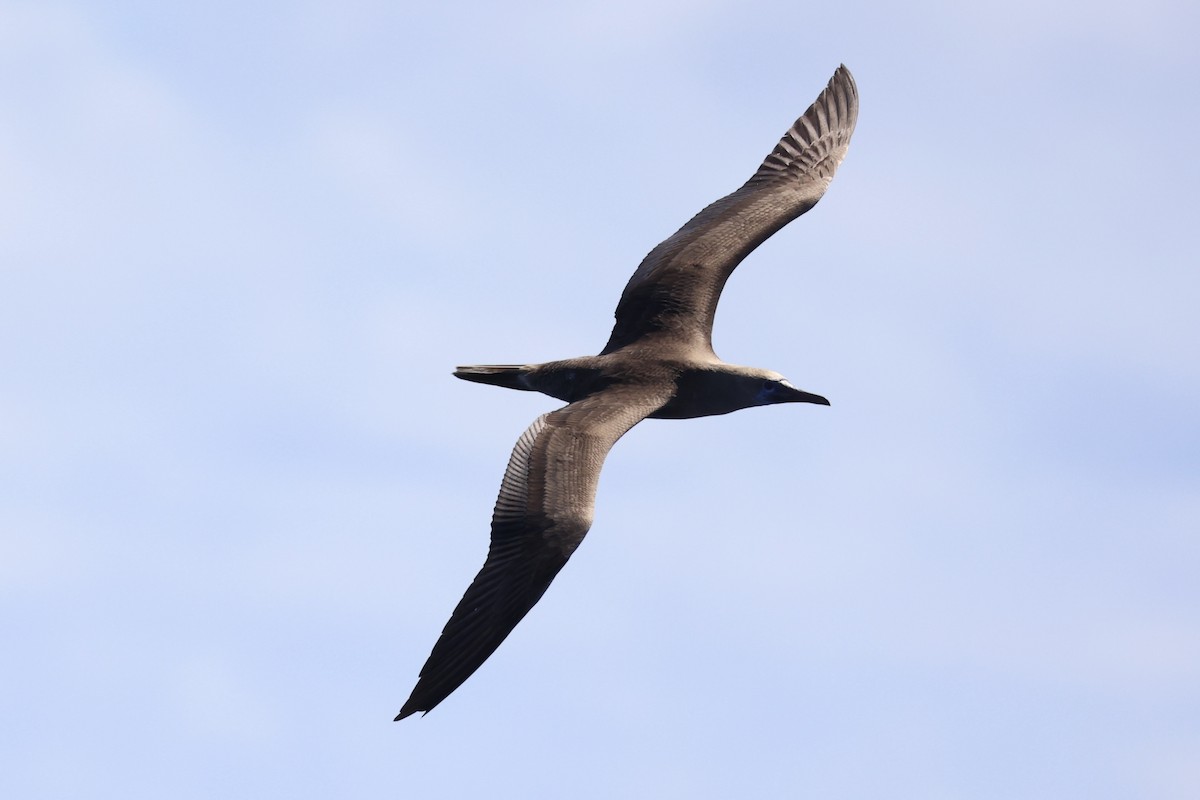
659	363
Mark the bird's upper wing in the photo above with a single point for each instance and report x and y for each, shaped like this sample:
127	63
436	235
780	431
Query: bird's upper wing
542	514
675	290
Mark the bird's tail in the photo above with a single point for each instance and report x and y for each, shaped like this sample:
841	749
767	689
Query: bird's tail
510	376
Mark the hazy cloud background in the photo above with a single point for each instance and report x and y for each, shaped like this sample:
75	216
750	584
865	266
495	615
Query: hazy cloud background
242	245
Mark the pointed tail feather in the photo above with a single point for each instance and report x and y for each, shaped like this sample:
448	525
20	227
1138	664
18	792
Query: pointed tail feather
510	376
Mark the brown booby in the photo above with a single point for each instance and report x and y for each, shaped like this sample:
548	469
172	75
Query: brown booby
658	363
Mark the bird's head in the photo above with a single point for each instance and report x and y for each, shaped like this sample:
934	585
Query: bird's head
774	388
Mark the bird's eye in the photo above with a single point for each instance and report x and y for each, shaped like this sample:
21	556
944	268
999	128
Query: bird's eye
768	386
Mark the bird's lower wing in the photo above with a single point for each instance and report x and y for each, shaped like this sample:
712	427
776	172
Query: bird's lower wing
542	514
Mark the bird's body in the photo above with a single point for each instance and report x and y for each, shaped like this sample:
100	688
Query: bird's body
658	363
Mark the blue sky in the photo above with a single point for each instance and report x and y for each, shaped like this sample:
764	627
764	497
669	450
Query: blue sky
242	245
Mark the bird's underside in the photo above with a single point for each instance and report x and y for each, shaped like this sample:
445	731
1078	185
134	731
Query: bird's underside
657	362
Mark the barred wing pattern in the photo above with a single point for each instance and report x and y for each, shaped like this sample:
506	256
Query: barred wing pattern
674	292
544	510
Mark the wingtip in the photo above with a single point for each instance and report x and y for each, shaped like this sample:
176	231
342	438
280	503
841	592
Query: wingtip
843	77
815	145
408	712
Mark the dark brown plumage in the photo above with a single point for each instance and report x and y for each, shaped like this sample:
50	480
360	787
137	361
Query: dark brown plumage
658	363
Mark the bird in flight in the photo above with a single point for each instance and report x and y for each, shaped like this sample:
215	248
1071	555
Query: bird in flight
658	363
